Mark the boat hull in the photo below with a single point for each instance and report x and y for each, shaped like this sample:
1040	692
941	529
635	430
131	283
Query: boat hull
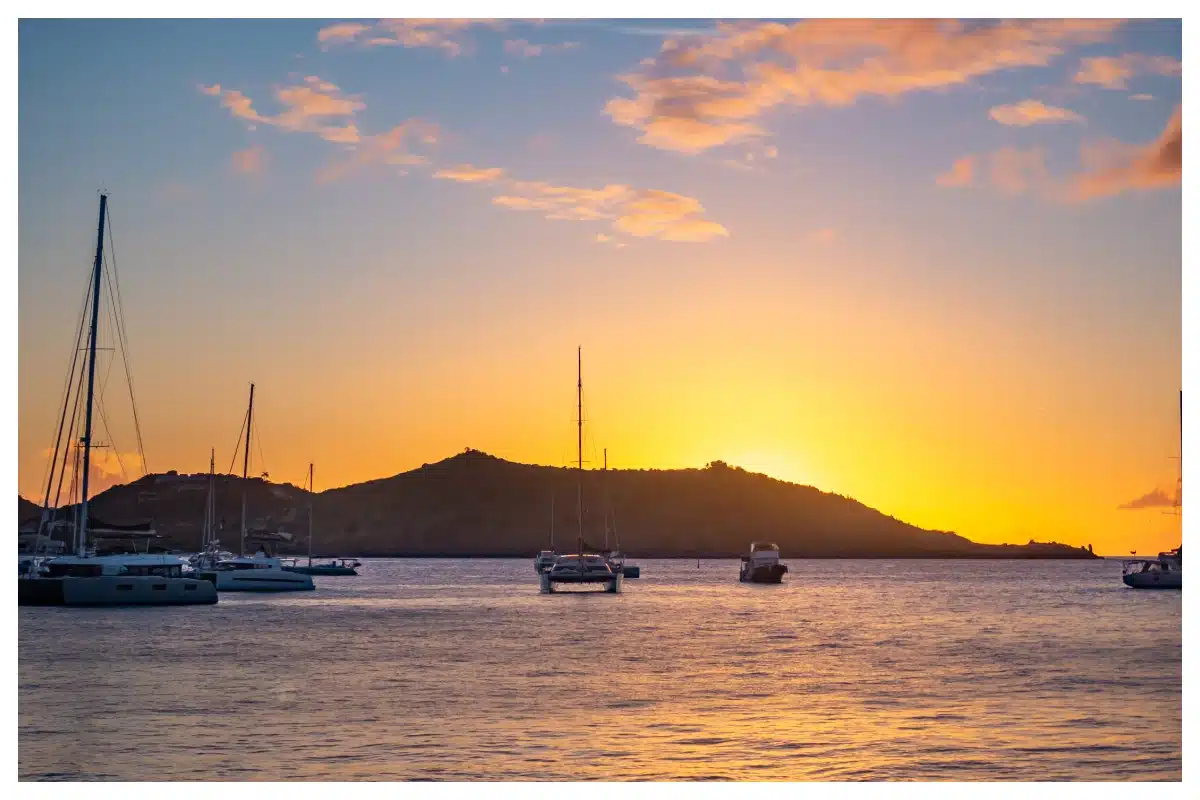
115	590
763	574
300	569
1154	580
610	583
258	580
631	571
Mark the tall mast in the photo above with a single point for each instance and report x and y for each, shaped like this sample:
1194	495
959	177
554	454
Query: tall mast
579	403
551	521
81	534
605	498
209	506
310	512
246	467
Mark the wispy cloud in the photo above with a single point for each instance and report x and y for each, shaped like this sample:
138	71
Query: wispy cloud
395	148
1141	96
1113	168
448	35
313	106
525	49
961	173
712	90
1032	112
250	161
465	173
1115	72
1107	168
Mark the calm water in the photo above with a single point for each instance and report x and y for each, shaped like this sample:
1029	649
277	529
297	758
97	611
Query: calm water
421	669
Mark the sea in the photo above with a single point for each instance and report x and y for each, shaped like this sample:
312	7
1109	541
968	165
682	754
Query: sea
460	670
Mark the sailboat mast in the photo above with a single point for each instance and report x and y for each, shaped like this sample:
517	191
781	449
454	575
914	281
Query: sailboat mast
579	404
246	467
209	506
605	498
310	512
81	531
551	521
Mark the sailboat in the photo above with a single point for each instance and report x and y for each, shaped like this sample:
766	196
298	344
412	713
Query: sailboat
336	566
261	572
1166	570
544	560
581	567
87	578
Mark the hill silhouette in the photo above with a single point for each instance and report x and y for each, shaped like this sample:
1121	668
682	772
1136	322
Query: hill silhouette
475	504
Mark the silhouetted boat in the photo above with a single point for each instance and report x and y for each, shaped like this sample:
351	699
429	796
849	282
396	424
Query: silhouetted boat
762	565
583	567
335	566
89	577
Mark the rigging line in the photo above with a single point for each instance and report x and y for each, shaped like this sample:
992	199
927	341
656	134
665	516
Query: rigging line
66	399
237	446
112	441
262	461
119	315
70	437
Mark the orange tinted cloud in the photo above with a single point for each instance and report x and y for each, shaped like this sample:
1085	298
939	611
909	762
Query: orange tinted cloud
394	148
1114	168
314	106
646	213
1114	73
465	173
707	91
1031	112
1155	499
961	173
250	161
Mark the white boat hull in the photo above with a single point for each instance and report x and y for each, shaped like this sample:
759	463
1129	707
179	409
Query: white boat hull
115	590
1154	580
259	580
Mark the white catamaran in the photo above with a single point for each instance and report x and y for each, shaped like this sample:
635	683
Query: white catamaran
95	575
581	567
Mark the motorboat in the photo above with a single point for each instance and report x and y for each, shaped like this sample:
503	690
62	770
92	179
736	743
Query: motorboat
762	565
1163	572
580	570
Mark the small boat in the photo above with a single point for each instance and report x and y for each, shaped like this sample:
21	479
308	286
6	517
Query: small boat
336	566
89	577
762	565
1163	572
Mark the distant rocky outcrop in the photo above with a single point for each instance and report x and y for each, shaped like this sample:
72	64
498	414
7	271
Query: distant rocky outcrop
475	504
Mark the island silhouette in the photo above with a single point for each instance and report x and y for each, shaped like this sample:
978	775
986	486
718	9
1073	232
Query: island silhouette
478	505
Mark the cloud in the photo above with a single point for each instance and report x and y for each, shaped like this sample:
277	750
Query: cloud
1155	499
644	213
313	106
465	173
250	161
393	148
1114	168
1114	73
448	35
961	173
711	90
1031	112
601	238
524	49
1108	168
1141	96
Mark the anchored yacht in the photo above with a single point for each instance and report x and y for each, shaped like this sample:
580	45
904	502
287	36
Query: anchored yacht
762	565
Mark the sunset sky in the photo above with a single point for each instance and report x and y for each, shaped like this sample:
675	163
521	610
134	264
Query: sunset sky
934	266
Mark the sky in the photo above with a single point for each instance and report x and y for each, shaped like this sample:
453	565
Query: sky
931	265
